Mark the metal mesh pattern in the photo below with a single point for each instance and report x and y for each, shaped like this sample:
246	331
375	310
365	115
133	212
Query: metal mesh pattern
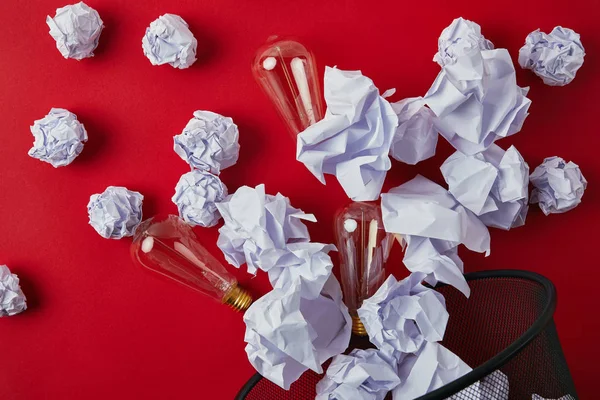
506	325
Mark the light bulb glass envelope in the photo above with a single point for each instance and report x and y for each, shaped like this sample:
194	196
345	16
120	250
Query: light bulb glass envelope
364	247
287	72
168	246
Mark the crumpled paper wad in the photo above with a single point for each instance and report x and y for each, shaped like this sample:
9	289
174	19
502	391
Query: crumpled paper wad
475	96
432	367
58	138
116	212
416	137
168	40
493	184
402	315
554	57
360	375
558	185
287	334
353	140
76	29
258	228
196	196
12	299
208	142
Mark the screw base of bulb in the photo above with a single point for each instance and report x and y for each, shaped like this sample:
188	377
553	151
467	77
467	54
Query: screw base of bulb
357	326
237	298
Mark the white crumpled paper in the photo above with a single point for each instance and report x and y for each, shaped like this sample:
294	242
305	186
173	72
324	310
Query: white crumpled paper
208	142
287	334
116	212
352	142
475	96
421	207
402	315
168	40
554	57
196	195
416	137
430	368
558	185
565	397
12	299
360	375
58	138
258	227
436	258
493	184
76	29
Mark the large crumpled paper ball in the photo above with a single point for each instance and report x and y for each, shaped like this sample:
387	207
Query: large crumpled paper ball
559	185
209	142
168	40
196	195
76	29
12	299
462	37
554	57
116	212
362	374
59	138
402	315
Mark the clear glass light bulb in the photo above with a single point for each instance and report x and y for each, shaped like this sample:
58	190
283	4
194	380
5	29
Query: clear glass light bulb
364	247
169	247
287	72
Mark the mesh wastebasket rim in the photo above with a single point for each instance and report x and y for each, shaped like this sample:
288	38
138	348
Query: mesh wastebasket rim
493	363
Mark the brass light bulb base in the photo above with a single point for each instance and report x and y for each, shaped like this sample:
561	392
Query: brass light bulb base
237	298
357	326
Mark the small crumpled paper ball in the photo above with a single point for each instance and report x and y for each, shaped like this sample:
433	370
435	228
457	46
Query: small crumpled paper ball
168	40
559	185
195	196
59	138
554	57
76	29
209	142
12	299
362	374
461	37
116	212
416	137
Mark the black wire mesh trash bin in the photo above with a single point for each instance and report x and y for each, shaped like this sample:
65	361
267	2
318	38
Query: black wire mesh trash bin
505	325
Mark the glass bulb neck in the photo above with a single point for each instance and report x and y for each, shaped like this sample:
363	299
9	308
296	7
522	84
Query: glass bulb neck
237	298
357	326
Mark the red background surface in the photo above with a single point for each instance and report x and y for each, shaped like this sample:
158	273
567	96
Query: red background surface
99	327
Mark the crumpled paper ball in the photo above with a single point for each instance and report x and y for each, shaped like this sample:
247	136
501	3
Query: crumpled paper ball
362	374
12	299
58	138
461	38
432	367
258	228
493	184
287	334
416	137
168	40
402	315
476	98
208	142
116	212
554	57
558	185
353	140
196	195
76	29
565	397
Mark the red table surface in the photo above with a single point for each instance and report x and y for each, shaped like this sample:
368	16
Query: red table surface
98	326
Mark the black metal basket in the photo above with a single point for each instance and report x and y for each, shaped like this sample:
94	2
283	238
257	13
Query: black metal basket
505	325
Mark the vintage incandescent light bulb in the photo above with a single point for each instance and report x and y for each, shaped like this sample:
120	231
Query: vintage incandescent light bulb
364	247
169	247
287	72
